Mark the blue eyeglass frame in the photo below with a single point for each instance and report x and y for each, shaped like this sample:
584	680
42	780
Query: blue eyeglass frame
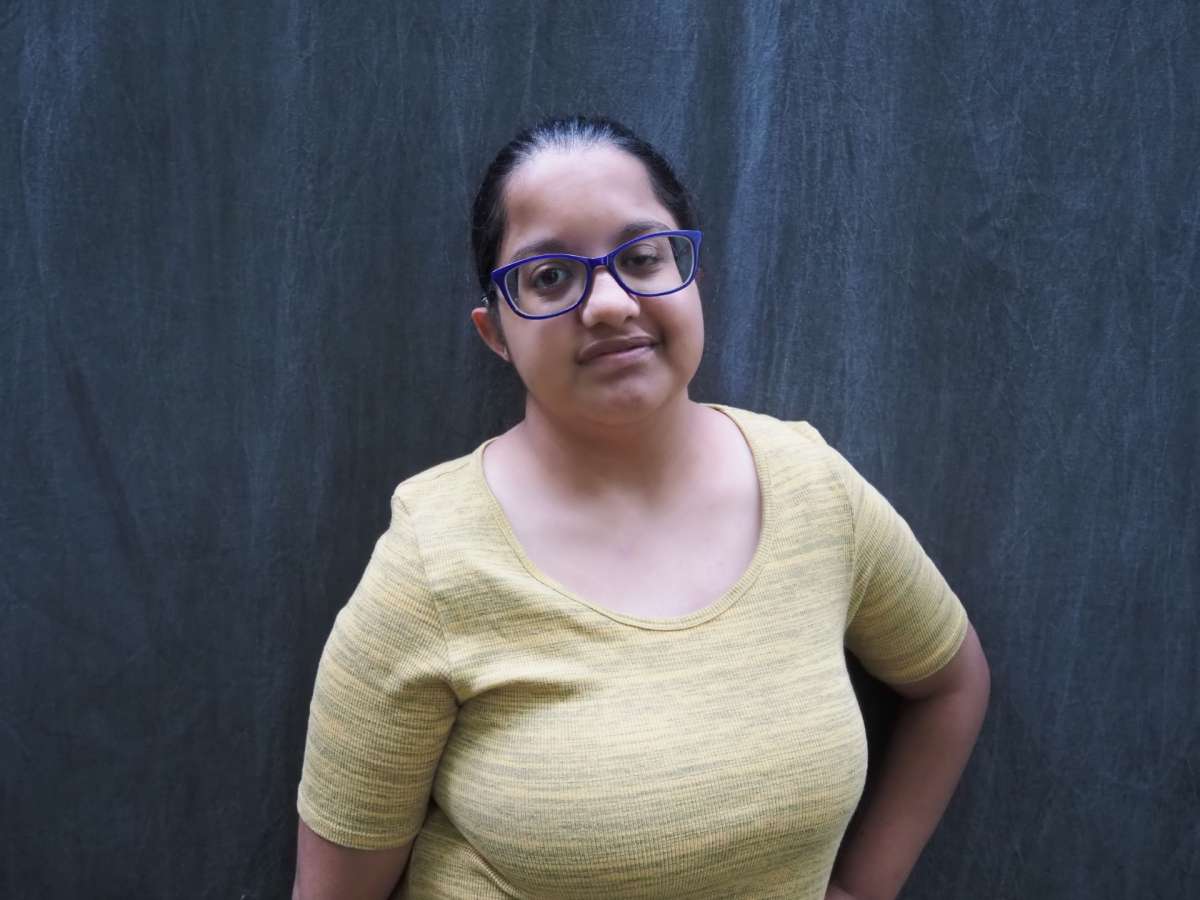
498	275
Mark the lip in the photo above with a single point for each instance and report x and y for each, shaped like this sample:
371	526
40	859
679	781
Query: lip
620	357
615	347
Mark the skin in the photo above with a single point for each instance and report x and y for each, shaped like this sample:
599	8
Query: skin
626	435
632	436
938	722
329	871
628	445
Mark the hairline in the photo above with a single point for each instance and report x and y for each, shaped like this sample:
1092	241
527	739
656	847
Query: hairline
566	144
627	232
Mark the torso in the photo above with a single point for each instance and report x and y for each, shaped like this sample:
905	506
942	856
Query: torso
663	564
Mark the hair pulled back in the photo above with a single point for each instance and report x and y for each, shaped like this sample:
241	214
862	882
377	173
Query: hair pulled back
570	133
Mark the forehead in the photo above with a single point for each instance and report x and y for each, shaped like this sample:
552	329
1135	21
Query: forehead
578	196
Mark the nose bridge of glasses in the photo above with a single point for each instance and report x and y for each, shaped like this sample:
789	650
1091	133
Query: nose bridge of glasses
608	264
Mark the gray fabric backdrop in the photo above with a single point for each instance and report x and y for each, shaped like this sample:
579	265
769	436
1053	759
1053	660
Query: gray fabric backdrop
960	238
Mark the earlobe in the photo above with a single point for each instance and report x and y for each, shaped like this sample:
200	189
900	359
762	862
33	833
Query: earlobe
483	325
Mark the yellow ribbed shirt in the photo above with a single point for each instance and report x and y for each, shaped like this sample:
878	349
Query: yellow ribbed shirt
540	746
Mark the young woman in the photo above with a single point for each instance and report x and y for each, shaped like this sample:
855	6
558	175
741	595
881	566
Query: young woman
602	656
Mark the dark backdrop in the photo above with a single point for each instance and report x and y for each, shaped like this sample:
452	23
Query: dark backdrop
960	238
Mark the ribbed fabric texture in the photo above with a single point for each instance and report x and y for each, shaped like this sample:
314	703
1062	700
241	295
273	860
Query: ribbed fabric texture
541	746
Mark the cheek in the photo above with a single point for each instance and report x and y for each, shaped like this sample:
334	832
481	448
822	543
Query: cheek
686	320
688	338
542	351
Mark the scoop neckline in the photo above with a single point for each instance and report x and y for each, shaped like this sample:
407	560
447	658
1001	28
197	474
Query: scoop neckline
766	540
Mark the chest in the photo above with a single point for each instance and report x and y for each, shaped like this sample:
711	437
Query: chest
660	565
714	762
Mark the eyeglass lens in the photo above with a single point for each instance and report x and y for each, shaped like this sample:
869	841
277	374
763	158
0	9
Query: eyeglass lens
656	265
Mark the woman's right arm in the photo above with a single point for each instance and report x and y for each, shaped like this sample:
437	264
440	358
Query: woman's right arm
329	871
383	707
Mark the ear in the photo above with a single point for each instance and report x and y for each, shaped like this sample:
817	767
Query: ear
495	340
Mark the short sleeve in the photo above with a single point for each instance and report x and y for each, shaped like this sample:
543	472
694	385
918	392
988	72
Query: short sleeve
904	622
382	705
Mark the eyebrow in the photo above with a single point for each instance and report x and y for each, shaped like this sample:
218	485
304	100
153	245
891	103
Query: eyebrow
553	245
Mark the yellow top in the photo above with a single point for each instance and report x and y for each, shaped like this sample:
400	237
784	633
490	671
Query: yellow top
538	745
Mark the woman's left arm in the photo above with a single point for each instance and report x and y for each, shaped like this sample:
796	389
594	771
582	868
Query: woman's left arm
935	731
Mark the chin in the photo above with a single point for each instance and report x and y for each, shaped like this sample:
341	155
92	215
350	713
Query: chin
626	404
618	400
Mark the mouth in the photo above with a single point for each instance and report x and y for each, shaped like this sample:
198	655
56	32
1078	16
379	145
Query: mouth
614	347
620	357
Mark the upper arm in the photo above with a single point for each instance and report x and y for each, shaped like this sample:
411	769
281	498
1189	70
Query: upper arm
383	704
966	669
903	622
329	871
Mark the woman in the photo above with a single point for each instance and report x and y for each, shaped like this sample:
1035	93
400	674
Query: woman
602	655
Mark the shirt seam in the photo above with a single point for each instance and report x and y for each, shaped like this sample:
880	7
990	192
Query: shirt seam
447	468
451	668
852	610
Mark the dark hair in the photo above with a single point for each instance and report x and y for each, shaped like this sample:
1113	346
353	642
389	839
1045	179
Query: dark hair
487	213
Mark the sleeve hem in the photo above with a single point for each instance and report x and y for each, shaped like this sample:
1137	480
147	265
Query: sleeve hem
347	837
932	668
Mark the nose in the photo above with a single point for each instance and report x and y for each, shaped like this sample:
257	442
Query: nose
608	302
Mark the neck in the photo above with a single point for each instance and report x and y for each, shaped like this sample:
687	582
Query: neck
649	458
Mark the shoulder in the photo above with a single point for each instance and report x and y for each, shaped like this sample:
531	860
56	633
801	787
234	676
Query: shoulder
446	482
803	468
446	517
775	432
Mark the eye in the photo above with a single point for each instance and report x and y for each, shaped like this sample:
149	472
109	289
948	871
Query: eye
548	277
640	257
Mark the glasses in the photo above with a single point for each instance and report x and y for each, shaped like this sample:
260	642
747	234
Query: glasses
541	287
